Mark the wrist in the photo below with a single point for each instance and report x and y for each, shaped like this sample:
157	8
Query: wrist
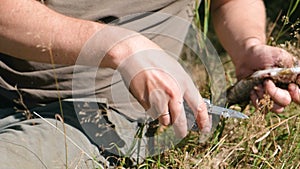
126	43
245	56
246	48
124	48
115	44
253	41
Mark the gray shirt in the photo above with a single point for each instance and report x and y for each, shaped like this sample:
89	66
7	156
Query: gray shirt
36	83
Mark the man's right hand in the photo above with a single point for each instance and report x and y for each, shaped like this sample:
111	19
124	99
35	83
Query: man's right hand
159	83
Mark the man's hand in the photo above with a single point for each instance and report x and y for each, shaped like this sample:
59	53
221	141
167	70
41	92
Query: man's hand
159	83
259	56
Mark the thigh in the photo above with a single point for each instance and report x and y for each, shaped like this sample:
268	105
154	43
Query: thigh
45	143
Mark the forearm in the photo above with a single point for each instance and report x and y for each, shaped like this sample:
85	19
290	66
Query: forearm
239	24
31	31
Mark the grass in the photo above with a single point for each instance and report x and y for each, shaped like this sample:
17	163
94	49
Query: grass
265	140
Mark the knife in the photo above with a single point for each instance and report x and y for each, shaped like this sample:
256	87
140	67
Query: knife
224	112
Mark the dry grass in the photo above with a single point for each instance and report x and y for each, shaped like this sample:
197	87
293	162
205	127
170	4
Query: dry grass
265	140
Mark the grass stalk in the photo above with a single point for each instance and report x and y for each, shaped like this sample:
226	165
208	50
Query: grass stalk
60	103
292	8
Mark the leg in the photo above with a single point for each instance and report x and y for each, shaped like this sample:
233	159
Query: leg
37	144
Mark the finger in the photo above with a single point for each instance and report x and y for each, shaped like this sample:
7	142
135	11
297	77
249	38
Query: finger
277	108
196	103
178	118
165	119
254	98
159	106
259	90
255	101
279	96
256	94
294	92
175	106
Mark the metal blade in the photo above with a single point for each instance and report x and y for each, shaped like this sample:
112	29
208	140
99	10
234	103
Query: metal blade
224	112
227	113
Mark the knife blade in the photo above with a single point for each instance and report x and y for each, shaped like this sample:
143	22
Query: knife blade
224	112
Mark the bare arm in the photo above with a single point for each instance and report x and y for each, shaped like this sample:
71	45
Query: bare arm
31	31
240	26
28	27
236	21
